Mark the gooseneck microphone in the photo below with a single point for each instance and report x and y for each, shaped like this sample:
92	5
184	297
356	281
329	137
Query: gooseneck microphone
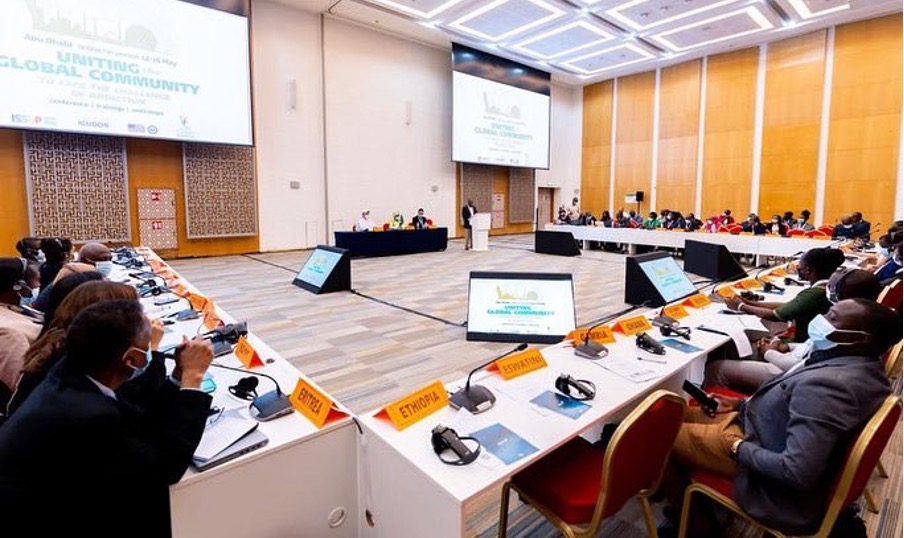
590	349
478	399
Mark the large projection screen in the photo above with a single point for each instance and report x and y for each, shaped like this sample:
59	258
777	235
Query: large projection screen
166	69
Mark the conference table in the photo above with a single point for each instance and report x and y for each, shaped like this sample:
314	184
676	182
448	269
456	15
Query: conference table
393	242
302	480
411	493
758	245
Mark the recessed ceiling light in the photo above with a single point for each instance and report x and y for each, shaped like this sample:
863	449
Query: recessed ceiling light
804	11
616	13
603	37
751	11
416	12
554	13
642	55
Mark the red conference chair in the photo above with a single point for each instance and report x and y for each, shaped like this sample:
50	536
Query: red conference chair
861	459
386	227
724	230
818	234
892	361
735	228
826	229
429	223
891	296
796	232
577	486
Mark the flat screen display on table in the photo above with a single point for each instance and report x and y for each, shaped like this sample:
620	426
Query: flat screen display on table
500	111
318	267
669	280
166	69
711	260
520	307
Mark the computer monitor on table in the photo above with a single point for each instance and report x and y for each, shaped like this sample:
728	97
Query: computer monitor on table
711	260
520	307
655	279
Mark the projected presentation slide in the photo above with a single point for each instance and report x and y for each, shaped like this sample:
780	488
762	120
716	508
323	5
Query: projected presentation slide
520	307
494	123
669	279
318	267
156	69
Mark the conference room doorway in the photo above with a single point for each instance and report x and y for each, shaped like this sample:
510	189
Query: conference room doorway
545	197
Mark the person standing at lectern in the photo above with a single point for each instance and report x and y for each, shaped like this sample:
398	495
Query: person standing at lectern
419	221
467	212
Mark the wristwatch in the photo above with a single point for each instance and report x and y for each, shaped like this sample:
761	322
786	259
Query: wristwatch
734	448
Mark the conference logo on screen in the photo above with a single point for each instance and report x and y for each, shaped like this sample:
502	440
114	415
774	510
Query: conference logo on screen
94	124
33	120
152	129
136	128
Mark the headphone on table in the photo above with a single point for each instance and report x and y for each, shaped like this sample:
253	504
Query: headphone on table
443	438
586	390
245	389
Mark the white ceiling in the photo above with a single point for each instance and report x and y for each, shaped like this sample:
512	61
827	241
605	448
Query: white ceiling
585	41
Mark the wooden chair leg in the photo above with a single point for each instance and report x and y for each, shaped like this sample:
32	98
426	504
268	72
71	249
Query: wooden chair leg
685	513
880	470
870	501
648	518
503	510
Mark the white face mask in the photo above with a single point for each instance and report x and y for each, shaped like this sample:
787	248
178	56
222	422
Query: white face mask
104	268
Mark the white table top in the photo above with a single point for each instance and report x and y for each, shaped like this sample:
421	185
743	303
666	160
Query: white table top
281	432
549	430
764	245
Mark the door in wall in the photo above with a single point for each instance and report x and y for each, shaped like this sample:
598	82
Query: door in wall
544	207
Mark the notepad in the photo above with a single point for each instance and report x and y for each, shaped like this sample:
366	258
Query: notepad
561	404
503	443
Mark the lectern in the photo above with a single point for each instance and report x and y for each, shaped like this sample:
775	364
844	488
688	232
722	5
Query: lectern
480	230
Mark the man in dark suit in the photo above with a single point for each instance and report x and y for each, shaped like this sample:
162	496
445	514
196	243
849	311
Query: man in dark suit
861	227
467	212
91	455
783	446
419	221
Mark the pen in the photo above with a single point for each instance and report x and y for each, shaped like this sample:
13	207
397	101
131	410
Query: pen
657	361
707	329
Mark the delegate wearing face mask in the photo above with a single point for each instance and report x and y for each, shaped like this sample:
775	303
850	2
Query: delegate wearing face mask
824	335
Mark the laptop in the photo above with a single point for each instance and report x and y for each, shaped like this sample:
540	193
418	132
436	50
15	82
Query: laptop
248	443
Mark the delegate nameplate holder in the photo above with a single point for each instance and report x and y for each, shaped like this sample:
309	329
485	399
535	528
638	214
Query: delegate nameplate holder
675	311
197	301
633	325
602	334
247	354
726	291
416	406
698	301
748	284
314	404
778	272
519	364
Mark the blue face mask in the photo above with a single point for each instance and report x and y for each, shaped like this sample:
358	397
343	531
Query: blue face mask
820	329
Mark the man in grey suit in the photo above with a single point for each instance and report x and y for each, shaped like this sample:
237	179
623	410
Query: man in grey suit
783	446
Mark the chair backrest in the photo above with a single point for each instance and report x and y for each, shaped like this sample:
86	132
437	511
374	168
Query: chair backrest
892	360
796	232
637	453
826	229
861	459
817	234
891	296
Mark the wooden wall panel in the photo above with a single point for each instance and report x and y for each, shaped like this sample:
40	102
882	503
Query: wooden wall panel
158	165
634	135
864	132
795	70
14	201
597	147
728	138
679	122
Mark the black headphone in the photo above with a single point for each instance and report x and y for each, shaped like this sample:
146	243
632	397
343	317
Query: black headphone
675	330
20	284
443	439
585	389
751	296
245	389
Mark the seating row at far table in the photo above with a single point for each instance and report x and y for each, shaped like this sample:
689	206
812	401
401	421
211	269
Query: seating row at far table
393	242
412	493
758	245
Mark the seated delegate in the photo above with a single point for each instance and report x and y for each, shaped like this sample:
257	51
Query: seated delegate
364	224
782	447
419	221
779	356
815	267
19	325
107	455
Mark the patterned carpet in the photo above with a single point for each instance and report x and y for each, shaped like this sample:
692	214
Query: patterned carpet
366	353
